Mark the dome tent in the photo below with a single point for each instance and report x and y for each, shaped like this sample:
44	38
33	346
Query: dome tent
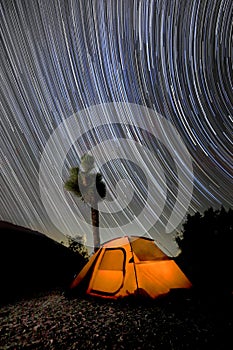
129	266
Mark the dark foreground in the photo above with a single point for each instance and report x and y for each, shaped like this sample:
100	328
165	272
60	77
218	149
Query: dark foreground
174	322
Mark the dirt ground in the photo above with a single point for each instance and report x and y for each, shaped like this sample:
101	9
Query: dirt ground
52	321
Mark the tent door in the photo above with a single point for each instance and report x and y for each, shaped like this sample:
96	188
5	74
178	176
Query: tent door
109	277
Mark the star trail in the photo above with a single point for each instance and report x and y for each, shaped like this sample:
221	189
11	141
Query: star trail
61	58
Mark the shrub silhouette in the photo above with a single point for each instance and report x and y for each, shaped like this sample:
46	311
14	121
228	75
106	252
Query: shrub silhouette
77	245
206	245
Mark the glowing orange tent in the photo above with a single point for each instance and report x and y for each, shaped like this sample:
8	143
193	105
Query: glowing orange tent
129	265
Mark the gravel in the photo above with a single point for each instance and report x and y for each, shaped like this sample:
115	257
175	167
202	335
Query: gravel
52	321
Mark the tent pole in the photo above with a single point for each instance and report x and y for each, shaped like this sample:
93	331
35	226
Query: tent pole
135	272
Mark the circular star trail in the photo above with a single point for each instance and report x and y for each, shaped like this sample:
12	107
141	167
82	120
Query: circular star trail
60	58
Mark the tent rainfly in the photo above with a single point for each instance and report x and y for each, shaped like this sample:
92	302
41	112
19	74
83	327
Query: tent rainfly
129	266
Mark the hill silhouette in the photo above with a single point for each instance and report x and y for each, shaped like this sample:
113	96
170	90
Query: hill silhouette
31	262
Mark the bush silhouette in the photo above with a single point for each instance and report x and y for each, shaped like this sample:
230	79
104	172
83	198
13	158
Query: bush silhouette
77	245
206	246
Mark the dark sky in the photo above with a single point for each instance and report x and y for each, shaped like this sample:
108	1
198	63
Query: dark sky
144	86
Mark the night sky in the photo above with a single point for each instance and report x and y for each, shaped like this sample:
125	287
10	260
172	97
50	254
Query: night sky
146	87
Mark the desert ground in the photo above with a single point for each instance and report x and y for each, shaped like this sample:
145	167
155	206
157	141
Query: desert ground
50	320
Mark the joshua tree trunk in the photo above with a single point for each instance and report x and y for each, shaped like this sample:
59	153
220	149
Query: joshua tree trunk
95	227
88	185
